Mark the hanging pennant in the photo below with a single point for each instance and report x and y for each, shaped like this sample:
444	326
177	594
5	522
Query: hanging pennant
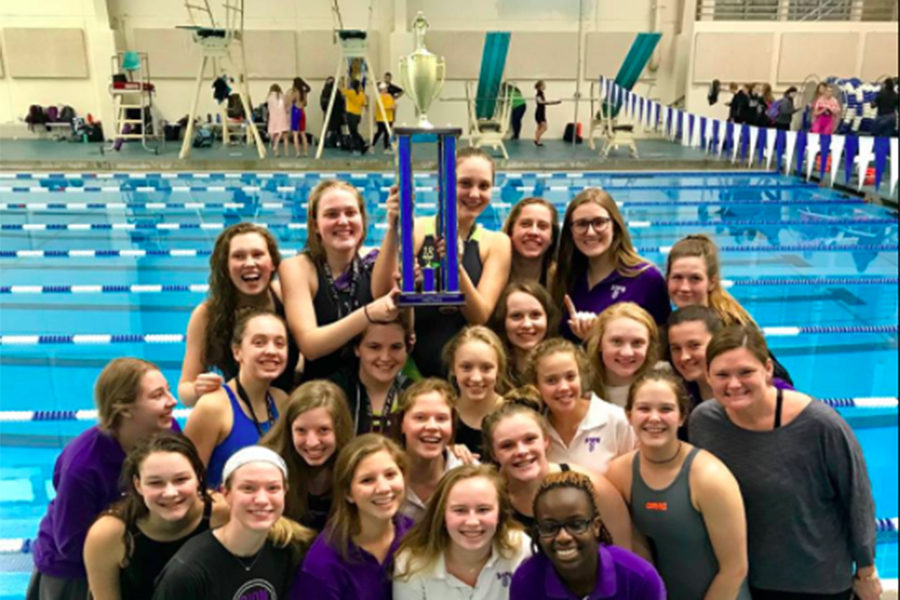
762	145
851	149
690	131
790	146
837	147
641	110
679	132
812	148
894	165
745	141
780	143
801	151
727	139
752	139
669	126
656	116
701	130
824	154
708	134
882	148
866	146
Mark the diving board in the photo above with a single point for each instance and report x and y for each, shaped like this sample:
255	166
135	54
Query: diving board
490	104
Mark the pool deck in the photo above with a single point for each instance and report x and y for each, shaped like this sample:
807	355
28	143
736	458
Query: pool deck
654	155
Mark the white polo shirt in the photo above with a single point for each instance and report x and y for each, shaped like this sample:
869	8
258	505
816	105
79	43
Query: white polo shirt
437	584
603	434
413	506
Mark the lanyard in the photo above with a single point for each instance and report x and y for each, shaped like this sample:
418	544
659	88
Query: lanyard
246	400
379	424
346	302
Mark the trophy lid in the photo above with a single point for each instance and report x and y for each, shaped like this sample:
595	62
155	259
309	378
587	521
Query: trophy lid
420	27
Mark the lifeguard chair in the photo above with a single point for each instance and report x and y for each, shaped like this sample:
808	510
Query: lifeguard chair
219	45
354	48
132	95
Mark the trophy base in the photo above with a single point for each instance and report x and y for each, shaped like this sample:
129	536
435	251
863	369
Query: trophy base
432	130
431	299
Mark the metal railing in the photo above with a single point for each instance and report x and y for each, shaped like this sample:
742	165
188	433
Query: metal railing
797	10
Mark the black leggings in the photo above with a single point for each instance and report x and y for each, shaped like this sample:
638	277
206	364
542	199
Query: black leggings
382	129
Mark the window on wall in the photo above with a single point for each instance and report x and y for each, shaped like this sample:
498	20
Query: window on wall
746	10
819	10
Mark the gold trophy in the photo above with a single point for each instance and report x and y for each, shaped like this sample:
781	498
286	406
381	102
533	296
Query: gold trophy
422	73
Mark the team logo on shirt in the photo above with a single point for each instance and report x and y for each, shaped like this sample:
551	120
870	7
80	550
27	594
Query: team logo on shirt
592	443
505	578
256	589
617	290
657	506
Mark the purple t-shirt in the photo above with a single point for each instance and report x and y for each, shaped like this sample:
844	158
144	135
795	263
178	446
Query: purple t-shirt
646	289
326	575
86	480
621	575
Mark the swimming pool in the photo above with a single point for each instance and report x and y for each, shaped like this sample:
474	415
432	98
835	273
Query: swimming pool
95	266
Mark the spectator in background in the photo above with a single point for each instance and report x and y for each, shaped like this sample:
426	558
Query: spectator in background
338	119
518	110
740	103
826	110
885	104
384	114
355	103
786	109
756	112
396	92
297	98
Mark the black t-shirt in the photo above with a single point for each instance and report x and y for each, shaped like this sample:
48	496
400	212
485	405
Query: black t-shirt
885	103
204	570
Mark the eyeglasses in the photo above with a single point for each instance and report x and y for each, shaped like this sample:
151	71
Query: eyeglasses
550	529
598	223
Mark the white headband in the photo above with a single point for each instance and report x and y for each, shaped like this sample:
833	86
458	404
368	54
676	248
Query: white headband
252	454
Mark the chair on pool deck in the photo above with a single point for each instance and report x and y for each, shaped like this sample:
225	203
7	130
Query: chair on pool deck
604	120
490	106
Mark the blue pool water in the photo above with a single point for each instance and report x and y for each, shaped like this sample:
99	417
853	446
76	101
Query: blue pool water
795	254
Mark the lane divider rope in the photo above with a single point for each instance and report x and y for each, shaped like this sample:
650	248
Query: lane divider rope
91	414
177	338
181	253
202	288
219	225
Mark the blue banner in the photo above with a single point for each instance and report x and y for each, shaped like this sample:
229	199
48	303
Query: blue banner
729	136
851	149
761	145
882	149
703	132
679	129
714	142
691	120
824	153
800	151
780	145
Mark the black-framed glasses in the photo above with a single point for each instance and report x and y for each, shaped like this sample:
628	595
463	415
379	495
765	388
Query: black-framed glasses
580	226
550	529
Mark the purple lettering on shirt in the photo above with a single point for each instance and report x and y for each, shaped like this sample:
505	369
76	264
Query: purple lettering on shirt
592	443
505	578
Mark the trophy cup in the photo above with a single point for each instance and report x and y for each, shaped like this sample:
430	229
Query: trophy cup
422	74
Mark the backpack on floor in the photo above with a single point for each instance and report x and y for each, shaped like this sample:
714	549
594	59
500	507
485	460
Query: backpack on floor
67	114
203	138
36	116
52	114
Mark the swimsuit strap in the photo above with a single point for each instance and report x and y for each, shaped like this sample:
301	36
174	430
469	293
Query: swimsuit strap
779	405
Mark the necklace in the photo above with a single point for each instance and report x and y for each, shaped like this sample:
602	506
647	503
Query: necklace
247	568
665	460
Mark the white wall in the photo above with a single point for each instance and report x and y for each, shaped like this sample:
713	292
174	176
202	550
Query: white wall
109	25
17	94
851	37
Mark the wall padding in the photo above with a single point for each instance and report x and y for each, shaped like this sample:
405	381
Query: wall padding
33	53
